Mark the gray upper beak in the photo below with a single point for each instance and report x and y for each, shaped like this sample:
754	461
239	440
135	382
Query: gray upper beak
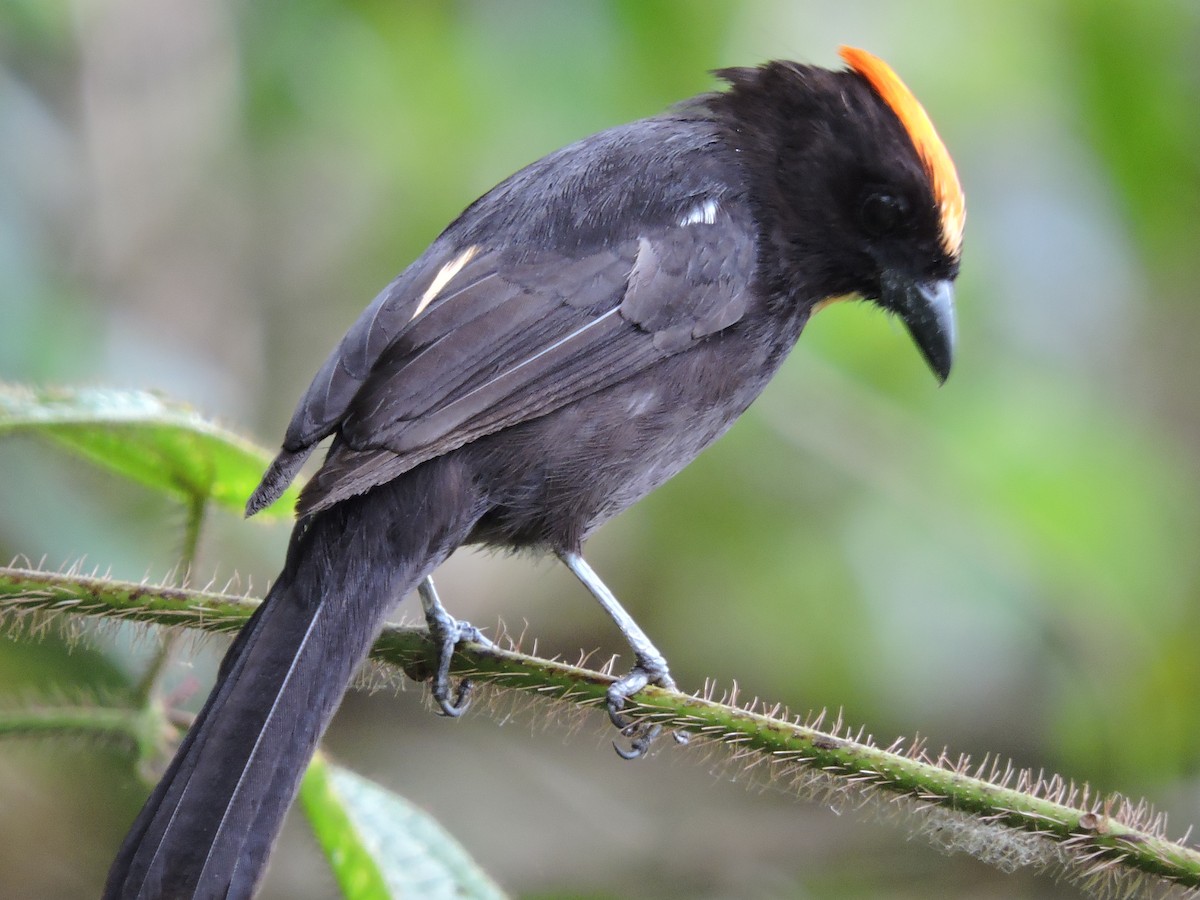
927	308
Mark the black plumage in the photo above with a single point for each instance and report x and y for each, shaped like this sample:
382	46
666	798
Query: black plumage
568	343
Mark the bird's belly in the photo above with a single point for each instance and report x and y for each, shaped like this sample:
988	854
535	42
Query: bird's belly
563	475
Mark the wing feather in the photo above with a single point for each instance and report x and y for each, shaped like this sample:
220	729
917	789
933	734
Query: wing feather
511	337
550	332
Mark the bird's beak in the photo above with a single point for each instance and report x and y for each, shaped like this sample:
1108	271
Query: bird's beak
927	308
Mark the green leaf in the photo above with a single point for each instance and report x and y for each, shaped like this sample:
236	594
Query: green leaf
161	443
380	845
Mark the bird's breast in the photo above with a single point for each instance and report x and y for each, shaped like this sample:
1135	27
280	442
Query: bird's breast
554	480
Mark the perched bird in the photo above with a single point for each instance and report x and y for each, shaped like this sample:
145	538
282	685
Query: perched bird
571	341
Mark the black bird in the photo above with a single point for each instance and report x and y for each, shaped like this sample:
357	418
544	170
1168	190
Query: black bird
571	341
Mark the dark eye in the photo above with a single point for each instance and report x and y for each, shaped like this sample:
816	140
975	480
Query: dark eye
883	214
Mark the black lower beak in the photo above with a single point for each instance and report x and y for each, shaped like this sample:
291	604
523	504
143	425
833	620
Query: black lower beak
927	308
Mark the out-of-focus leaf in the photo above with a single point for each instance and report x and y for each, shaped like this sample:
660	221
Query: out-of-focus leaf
380	845
1134	67
163	444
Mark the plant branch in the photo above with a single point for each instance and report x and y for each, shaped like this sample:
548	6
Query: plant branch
87	720
151	682
1100	839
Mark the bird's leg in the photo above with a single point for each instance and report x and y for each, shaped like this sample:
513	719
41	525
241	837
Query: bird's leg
650	665
447	631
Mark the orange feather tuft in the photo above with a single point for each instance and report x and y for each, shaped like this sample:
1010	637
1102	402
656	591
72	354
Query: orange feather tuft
942	175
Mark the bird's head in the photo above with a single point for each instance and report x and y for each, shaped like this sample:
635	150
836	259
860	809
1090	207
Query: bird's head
858	196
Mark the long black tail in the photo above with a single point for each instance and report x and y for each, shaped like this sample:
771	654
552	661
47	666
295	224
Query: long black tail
209	826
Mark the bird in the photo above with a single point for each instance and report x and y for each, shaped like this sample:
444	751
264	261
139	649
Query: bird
573	339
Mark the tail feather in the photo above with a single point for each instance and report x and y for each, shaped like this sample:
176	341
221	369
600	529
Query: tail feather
208	827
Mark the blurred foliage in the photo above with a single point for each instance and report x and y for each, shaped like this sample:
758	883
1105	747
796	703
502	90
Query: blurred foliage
163	445
381	846
199	197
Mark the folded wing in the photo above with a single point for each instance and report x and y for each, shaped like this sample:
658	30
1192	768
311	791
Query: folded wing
479	339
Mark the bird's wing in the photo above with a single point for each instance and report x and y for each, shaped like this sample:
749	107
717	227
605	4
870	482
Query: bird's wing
490	338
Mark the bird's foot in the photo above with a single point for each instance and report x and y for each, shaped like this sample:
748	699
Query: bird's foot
447	632
452	702
641	734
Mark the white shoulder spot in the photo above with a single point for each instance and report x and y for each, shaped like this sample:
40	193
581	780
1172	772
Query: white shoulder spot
443	277
701	214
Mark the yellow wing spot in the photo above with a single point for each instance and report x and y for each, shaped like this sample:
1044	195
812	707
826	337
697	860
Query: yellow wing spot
443	277
947	191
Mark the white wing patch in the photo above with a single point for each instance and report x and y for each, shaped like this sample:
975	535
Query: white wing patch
701	214
443	277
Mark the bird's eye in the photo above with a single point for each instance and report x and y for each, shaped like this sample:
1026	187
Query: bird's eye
882	214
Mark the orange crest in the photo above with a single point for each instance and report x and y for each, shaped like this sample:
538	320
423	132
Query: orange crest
942	175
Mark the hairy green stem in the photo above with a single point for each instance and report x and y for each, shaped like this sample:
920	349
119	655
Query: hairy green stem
57	720
1090	834
197	510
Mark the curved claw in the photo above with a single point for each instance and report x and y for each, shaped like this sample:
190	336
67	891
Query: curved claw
462	698
643	735
441	679
620	720
634	752
620	691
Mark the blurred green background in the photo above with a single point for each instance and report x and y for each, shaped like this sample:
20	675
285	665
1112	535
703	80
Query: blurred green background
200	196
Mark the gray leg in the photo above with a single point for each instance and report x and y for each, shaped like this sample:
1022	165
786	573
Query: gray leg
650	666
447	631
